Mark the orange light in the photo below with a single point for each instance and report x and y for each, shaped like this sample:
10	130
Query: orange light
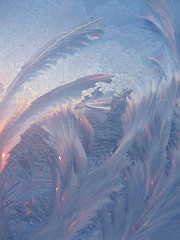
28	212
59	157
57	189
95	37
81	120
26	203
3	161
152	183
62	199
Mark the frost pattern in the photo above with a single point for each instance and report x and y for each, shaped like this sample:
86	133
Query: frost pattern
96	157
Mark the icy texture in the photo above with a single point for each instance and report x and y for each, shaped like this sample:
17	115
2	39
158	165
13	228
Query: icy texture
90	149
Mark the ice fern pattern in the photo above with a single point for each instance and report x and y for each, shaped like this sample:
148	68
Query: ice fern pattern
95	158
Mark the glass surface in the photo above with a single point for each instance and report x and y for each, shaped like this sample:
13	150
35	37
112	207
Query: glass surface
89	120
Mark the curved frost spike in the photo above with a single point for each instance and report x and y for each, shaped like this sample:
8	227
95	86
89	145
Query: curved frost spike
174	6
48	187
150	209
133	216
62	95
79	195
59	47
28	184
65	138
168	11
162	61
81	201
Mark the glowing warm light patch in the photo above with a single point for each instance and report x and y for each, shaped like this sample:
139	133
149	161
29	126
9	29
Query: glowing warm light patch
28	212
3	163
59	157
57	189
26	203
152	183
125	179
95	37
